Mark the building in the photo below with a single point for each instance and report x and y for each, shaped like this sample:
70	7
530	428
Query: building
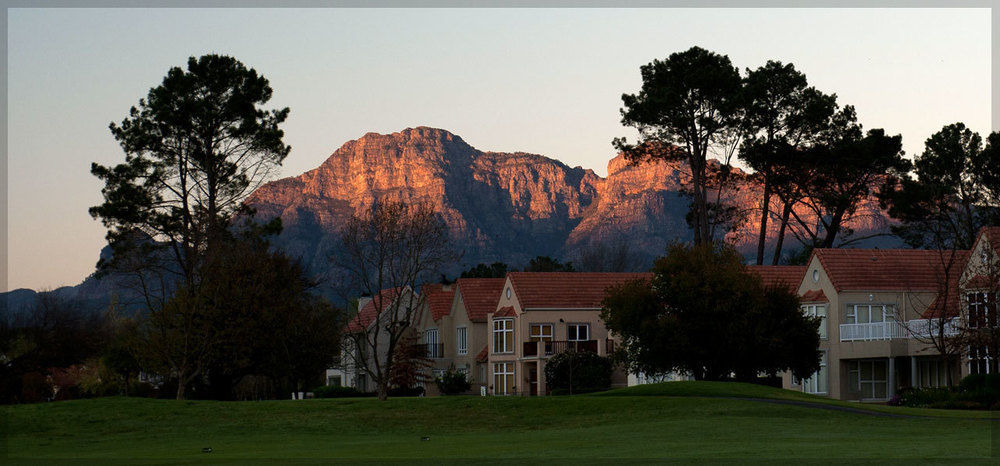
878	308
373	314
453	326
539	315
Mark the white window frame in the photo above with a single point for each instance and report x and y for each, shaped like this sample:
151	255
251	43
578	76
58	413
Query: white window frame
812	384
505	326
854	311
431	340
462	340
500	372
578	326
873	381
814	310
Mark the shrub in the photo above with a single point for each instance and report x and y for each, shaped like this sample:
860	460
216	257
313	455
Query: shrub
452	382
330	391
923	397
578	372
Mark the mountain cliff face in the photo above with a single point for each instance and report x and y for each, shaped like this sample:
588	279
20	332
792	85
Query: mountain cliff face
498	206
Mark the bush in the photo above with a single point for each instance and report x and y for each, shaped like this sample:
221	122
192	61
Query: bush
330	391
924	397
578	372
452	382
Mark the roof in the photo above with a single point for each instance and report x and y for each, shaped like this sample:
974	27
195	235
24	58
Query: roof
814	296
890	269
438	298
480	296
566	290
366	315
981	282
484	354
788	275
937	306
992	235
506	311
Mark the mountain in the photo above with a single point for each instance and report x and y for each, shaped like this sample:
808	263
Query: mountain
498	206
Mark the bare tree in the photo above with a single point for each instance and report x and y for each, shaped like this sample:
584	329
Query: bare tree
608	256
388	251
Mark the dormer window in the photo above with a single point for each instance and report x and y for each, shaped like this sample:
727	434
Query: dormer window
508	292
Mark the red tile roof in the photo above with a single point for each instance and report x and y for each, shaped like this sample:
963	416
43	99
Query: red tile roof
937	306
480	296
506	311
788	275
438	298
484	354
889	269
566	290
992	235
367	313
814	296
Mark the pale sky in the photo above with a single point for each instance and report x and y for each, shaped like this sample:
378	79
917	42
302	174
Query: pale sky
546	81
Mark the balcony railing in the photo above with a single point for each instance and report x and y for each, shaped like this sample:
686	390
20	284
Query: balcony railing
916	328
929	328
430	350
872	331
549	348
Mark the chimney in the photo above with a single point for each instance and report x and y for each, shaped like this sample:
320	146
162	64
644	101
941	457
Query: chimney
363	301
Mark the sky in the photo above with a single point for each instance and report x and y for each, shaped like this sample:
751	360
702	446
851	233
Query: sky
546	81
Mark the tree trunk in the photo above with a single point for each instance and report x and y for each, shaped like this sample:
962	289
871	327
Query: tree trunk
383	390
181	384
765	210
785	213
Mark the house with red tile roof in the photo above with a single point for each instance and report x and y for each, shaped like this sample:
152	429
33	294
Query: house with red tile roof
876	306
541	314
453	326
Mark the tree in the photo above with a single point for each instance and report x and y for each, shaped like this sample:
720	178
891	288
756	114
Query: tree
494	270
706	315
782	111
609	256
948	199
689	106
55	333
573	371
833	178
548	264
195	147
388	251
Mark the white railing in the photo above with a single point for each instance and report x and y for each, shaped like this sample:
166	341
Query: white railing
927	328
917	328
872	331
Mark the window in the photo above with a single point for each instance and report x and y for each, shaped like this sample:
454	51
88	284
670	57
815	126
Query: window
819	381
577	332
333	380
868	313
462	337
815	275
871	378
503	335
982	360
503	378
508	292
817	311
431	340
982	312
932	373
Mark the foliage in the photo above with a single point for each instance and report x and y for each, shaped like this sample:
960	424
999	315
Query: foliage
706	315
392	246
950	195
53	334
609	256
689	105
975	391
452	382
494	270
548	264
578	372
409	363
330	391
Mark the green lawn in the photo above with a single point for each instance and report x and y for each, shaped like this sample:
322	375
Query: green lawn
684	420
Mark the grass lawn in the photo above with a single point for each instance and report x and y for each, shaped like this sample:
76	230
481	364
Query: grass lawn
684	420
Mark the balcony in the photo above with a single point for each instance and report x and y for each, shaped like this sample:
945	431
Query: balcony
872	331
891	330
430	350
532	349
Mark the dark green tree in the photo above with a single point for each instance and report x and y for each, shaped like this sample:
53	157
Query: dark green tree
195	148
782	112
574	371
494	270
947	198
689	105
548	264
706	315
